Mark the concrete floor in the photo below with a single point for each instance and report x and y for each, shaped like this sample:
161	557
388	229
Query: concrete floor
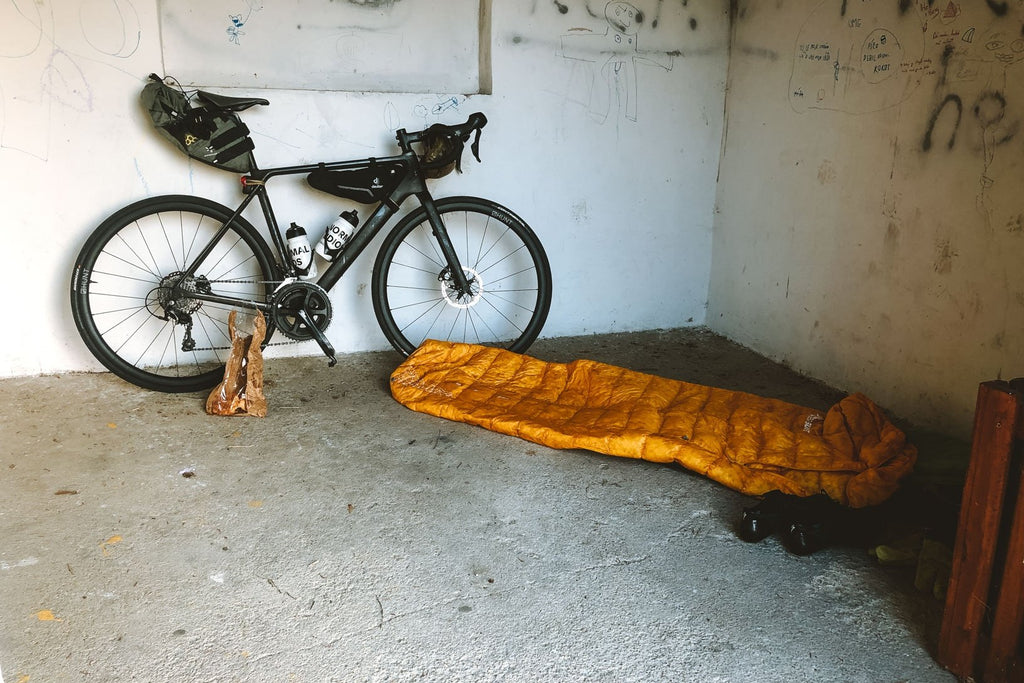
346	538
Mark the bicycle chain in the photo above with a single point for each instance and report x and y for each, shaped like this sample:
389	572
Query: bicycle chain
228	348
188	327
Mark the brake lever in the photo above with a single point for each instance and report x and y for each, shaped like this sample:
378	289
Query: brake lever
475	147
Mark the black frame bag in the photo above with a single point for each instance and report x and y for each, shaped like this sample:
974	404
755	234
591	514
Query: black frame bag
366	185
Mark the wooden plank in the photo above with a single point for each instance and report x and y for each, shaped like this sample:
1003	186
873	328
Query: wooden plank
974	550
1018	386
1003	661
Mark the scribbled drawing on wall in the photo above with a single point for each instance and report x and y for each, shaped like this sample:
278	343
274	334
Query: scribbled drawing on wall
109	31
604	71
111	27
392	120
235	31
24	124
24	21
970	107
337	45
439	109
444	103
430	110
864	57
65	84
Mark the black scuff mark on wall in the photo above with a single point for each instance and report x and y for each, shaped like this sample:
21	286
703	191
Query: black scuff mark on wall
926	145
998	8
373	4
990	108
757	51
947	55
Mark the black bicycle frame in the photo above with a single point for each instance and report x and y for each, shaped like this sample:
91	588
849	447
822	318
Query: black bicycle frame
411	184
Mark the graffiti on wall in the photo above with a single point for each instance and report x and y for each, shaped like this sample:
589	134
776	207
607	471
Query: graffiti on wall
865	57
607	60
106	31
238	21
972	106
337	45
869	55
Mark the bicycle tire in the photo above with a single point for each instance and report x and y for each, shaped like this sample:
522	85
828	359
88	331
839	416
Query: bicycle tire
116	290
501	255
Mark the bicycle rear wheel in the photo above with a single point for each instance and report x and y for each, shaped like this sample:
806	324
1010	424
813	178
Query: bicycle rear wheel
414	296
121	291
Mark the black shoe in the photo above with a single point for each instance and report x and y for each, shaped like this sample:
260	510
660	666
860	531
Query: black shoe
813	525
804	538
760	521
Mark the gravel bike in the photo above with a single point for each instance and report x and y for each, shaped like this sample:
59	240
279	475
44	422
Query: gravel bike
154	284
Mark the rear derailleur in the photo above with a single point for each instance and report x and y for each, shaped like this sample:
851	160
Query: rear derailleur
172	300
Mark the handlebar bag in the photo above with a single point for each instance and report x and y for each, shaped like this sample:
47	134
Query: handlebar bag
215	137
442	152
367	185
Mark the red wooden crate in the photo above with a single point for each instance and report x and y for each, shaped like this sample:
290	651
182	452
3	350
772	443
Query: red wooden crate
981	637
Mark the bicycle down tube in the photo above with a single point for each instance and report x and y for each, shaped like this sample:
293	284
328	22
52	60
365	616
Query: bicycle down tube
156	284
411	184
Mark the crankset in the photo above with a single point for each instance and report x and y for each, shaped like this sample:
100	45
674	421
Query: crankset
302	311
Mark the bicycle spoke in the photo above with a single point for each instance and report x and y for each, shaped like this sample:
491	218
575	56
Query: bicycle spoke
508	295
142	265
137	308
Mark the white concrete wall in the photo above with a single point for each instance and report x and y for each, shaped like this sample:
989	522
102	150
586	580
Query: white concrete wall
620	193
848	242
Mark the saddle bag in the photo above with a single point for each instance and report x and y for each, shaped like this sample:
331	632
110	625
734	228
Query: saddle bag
366	185
215	137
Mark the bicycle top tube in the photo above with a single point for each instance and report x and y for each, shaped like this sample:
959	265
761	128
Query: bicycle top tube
475	122
412	181
258	175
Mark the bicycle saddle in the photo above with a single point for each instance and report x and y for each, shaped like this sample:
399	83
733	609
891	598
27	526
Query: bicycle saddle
230	103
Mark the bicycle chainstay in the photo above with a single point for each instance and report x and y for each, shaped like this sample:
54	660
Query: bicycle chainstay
178	318
296	323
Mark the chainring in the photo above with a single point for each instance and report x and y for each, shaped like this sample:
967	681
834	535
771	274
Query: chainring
293	297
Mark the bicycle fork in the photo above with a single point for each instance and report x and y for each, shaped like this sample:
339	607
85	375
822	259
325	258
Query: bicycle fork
454	270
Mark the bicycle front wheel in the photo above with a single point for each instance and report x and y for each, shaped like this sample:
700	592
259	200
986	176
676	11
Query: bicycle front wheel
130	297
414	295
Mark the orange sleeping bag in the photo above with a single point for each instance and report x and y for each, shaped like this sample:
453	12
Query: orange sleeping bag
746	442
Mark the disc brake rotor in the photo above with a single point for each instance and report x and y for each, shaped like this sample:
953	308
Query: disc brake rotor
450	291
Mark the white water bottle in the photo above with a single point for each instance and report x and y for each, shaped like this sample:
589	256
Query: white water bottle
337	235
300	252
